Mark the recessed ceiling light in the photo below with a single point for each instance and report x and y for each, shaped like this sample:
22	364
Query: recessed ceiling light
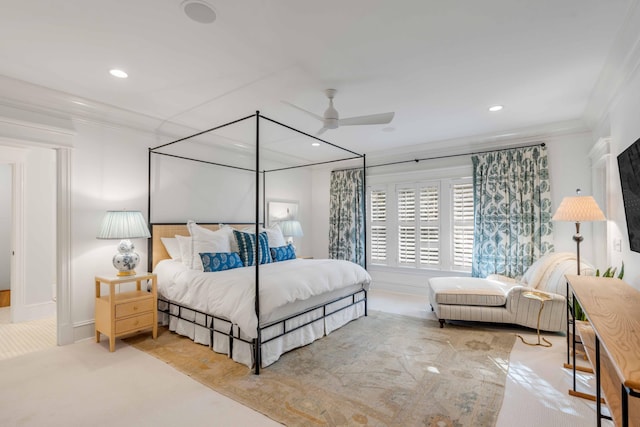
199	11
118	73
315	144
496	108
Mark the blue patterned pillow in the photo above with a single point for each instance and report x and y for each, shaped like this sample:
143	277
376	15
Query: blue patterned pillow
220	261
283	253
247	247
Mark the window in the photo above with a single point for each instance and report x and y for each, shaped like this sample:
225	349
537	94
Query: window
378	234
462	195
418	225
421	226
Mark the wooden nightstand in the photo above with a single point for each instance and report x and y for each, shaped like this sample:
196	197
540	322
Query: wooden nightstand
124	313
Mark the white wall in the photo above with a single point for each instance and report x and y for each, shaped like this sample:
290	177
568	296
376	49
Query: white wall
40	225
625	129
108	172
5	226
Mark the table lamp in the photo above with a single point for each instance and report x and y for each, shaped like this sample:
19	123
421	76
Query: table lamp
124	225
290	229
578	209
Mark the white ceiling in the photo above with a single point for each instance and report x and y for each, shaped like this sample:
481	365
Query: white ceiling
438	64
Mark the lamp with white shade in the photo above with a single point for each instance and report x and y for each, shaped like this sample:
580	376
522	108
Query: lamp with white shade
290	229
578	209
124	225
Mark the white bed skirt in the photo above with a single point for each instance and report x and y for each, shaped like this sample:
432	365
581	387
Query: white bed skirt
193	324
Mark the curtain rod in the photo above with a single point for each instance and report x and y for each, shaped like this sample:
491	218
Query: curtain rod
542	144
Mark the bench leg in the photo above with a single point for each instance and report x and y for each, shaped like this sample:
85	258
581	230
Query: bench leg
441	322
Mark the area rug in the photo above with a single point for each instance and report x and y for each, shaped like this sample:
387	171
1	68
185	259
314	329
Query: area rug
379	370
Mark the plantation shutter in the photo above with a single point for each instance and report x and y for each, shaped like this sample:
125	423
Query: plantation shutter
419	225
462	225
378	234
429	226
407	226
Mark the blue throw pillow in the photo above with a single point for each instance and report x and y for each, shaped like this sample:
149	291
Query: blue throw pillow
220	261
283	253
247	247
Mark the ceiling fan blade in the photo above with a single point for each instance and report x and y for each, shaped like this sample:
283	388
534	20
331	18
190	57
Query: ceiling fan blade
321	131
305	111
372	119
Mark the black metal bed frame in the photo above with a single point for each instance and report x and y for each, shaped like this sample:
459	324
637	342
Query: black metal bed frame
236	334
257	342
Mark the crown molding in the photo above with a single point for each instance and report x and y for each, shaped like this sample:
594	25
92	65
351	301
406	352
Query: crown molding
620	67
470	144
59	109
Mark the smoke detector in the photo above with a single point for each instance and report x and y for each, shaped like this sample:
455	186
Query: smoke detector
199	11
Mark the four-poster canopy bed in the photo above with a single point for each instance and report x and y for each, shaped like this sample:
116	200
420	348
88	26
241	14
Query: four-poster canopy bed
257	312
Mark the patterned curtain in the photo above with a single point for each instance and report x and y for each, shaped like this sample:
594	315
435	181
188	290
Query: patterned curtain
512	210
347	216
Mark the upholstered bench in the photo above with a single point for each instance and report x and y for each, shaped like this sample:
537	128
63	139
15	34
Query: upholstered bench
499	299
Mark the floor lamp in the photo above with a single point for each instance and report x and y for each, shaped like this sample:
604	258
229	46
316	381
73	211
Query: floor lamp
577	209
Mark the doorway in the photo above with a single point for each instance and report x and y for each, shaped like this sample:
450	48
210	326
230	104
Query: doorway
28	247
6	185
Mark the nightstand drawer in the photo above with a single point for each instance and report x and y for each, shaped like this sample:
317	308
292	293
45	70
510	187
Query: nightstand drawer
134	323
135	307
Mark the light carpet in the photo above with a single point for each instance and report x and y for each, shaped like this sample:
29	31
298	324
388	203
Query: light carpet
383	369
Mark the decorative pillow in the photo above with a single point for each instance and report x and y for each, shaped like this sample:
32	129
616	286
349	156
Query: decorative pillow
283	253
173	247
247	247
220	261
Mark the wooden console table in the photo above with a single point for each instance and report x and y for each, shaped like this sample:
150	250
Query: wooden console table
612	342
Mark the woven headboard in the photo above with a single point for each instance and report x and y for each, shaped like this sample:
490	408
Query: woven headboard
158	251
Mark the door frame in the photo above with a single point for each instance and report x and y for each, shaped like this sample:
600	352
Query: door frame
22	132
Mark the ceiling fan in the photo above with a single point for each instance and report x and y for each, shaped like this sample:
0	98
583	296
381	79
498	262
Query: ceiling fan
332	120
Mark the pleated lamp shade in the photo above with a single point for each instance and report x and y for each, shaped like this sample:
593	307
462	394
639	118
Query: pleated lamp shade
291	228
578	209
123	225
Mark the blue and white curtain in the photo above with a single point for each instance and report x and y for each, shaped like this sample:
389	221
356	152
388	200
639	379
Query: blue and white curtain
347	216
512	210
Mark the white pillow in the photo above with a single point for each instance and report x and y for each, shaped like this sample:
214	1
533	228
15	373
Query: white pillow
186	249
232	240
205	240
275	237
173	247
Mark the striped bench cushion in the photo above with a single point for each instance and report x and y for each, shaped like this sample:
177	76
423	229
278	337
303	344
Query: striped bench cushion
470	291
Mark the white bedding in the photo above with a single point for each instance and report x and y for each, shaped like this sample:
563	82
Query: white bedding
230	293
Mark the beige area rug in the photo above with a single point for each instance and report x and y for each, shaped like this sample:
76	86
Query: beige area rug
380	370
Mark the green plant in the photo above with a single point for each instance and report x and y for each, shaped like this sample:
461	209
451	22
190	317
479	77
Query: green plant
609	272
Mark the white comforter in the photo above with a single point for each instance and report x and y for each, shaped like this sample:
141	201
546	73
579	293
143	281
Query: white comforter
231	293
